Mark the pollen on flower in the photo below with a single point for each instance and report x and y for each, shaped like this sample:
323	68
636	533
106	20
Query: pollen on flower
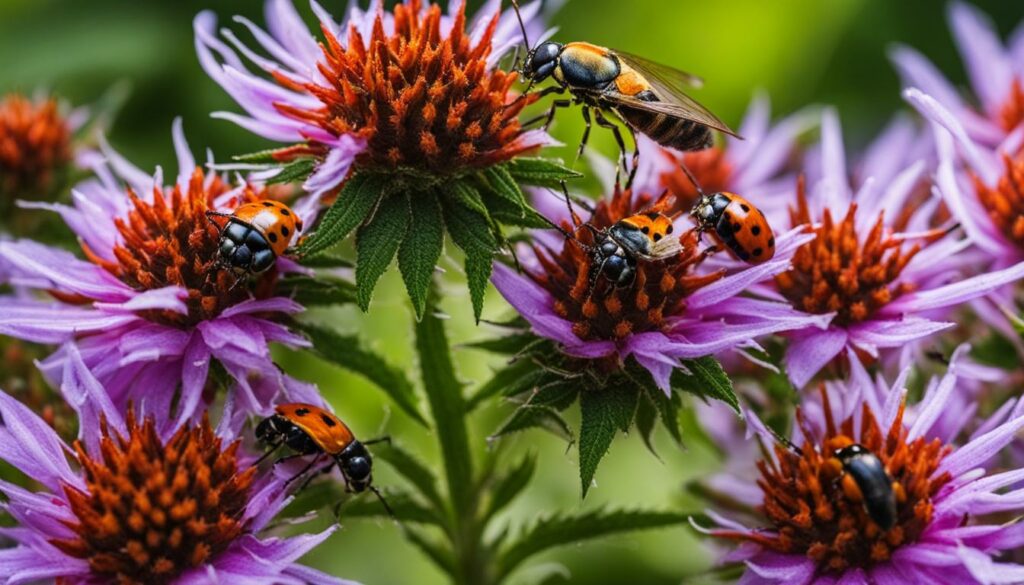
810	511
35	146
1005	201
170	241
152	510
1012	113
710	167
838	272
422	99
599	309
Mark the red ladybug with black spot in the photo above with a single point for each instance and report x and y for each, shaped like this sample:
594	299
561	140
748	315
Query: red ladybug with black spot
256	234
737	224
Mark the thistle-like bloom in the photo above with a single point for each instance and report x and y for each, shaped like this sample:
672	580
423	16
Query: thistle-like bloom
152	306
410	90
995	71
137	506
758	167
881	266
35	148
673	310
812	525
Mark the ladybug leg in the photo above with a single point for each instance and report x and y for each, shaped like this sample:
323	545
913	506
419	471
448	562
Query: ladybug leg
310	477
384	439
273	449
304	470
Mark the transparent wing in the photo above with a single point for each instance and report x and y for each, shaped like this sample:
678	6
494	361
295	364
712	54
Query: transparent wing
670	76
666	248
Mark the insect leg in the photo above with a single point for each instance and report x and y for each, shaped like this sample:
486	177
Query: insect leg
273	449
555	105
605	123
312	475
586	131
304	470
384	439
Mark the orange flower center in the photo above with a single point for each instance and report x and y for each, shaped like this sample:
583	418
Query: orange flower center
151	510
171	242
1005	201
709	167
812	511
1012	113
838	273
35	147
419	100
603	311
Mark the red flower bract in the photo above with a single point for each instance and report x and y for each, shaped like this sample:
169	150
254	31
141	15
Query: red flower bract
420	100
603	311
171	242
35	147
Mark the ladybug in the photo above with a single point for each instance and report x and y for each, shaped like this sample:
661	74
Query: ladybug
617	248
865	479
310	430
736	223
255	235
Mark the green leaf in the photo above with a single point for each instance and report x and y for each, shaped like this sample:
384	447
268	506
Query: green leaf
502	184
268	156
505	212
561	530
510	344
353	206
604	411
323	290
471	232
377	243
327	260
412	470
348	352
646	417
297	170
540	172
436	552
444	393
706	379
517	377
511	485
530	416
466	195
422	246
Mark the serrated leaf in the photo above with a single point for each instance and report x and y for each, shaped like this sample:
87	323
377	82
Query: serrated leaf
412	470
501	183
466	195
422	246
506	344
327	260
295	171
377	243
348	352
354	204
528	417
444	394
540	172
320	291
603	412
517	377
470	232
707	379
559	530
646	418
507	213
436	552
511	485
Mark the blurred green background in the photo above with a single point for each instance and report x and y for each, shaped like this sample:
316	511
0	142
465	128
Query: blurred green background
799	51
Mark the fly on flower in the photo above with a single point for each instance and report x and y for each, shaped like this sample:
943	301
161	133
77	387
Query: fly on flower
648	97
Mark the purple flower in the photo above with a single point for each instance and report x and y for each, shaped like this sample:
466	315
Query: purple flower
341	101
995	72
77	529
152	308
811	525
674	310
880	269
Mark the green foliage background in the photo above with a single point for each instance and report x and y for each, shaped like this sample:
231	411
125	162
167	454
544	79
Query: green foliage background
799	51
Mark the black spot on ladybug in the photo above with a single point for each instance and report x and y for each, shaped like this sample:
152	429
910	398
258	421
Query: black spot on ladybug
736	227
657	237
285	212
298	225
328	420
669	229
301	411
645	230
273	237
745	207
267	204
771	242
756	230
284	231
758	251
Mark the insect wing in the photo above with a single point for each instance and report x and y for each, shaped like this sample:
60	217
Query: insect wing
666	248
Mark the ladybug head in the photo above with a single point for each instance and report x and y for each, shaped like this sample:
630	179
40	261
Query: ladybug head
357	466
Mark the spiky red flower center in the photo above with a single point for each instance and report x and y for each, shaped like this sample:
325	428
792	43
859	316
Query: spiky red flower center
710	167
152	510
602	310
837	272
811	511
1005	201
420	99
35	146
169	241
1012	113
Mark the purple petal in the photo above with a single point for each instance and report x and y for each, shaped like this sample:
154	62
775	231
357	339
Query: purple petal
809	351
271	305
981	449
170	298
31	565
90	400
956	293
918	71
931	109
986	61
835	183
195	367
792	569
65	271
534	304
985	570
29	444
880	333
43	323
334	168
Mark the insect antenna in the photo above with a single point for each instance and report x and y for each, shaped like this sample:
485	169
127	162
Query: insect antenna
522	26
383	502
692	178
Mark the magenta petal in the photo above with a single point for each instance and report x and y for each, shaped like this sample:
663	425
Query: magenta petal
811	350
894	333
981	449
89	399
332	171
956	293
64	270
986	61
791	569
534	304
43	323
30	445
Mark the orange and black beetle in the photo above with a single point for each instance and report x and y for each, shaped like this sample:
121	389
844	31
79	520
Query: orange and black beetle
255	235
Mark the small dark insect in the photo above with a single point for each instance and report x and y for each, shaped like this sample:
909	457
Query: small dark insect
255	235
647	96
865	478
310	430
734	222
